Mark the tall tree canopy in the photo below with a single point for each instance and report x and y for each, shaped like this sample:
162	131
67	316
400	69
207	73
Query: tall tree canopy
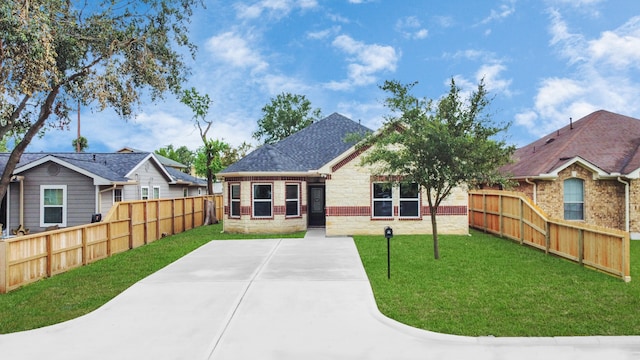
182	155
55	53
283	116
438	145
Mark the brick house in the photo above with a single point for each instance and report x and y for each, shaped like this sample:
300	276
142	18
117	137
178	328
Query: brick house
587	171
313	178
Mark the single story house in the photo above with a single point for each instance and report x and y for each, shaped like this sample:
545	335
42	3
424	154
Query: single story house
314	178
587	171
66	189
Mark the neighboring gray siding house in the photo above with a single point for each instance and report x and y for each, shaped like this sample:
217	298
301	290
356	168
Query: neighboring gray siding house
66	189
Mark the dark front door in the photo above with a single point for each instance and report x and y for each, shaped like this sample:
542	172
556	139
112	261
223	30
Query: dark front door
316	205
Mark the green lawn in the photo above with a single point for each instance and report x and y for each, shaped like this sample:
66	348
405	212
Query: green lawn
483	285
82	290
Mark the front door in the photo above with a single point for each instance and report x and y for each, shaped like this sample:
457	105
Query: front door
316	205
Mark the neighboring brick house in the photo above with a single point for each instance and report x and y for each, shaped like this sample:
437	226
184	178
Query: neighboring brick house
66	189
586	171
313	178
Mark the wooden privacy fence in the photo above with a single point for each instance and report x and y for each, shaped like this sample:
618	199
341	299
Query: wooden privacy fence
128	225
513	215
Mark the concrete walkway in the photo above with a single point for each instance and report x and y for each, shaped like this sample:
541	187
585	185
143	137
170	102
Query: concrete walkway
273	299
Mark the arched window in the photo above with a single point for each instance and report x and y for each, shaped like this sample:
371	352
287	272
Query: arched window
574	199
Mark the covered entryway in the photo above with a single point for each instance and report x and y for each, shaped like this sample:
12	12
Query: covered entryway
316	205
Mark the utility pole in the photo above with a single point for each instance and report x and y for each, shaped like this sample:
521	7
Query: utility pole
78	138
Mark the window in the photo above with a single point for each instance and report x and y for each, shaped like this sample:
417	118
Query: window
262	200
53	205
409	200
156	192
234	199
574	199
144	193
117	195
293	200
382	200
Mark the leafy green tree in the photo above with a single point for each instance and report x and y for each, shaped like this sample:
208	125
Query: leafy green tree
82	143
283	116
438	145
54	53
210	158
182	155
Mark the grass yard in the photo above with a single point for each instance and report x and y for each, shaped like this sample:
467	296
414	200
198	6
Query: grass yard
82	290
483	285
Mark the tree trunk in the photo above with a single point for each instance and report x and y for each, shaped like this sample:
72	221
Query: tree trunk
210	211
434	230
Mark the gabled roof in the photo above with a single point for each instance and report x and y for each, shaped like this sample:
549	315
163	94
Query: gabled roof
163	160
308	149
602	141
103	168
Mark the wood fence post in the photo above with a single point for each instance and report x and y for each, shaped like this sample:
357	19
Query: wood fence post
580	246
626	248
158	234
173	216
146	222
109	224
484	212
130	226
547	236
49	256
4	264
500	217
84	246
521	221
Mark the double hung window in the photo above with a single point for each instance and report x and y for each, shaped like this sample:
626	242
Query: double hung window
234	200
382	195
262	200
409	200
292	200
53	205
574	199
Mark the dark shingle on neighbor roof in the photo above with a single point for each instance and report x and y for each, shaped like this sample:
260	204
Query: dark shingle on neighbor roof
308	149
110	166
607	140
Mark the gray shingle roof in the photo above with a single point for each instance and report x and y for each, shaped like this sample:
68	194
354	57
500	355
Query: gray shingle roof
308	149
110	166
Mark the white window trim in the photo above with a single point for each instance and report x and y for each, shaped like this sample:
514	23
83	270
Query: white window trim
401	199
154	192
185	192
374	200
142	188
296	199
64	205
254	200
232	200
113	198
564	202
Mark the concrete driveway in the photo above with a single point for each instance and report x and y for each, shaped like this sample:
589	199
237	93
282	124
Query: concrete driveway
273	299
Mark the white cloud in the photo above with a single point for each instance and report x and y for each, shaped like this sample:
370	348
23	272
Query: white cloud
605	76
504	11
365	61
323	34
235	50
410	27
492	78
272	8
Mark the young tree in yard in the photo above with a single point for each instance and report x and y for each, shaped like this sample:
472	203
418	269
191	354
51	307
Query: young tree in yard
210	158
285	115
438	145
182	155
56	53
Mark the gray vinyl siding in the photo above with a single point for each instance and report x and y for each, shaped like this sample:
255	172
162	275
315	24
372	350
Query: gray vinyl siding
81	195
147	174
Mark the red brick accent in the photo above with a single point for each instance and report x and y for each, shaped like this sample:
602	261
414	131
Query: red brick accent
348	159
349	211
279	210
265	178
447	210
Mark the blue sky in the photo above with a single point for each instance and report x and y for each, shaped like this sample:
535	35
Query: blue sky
543	61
